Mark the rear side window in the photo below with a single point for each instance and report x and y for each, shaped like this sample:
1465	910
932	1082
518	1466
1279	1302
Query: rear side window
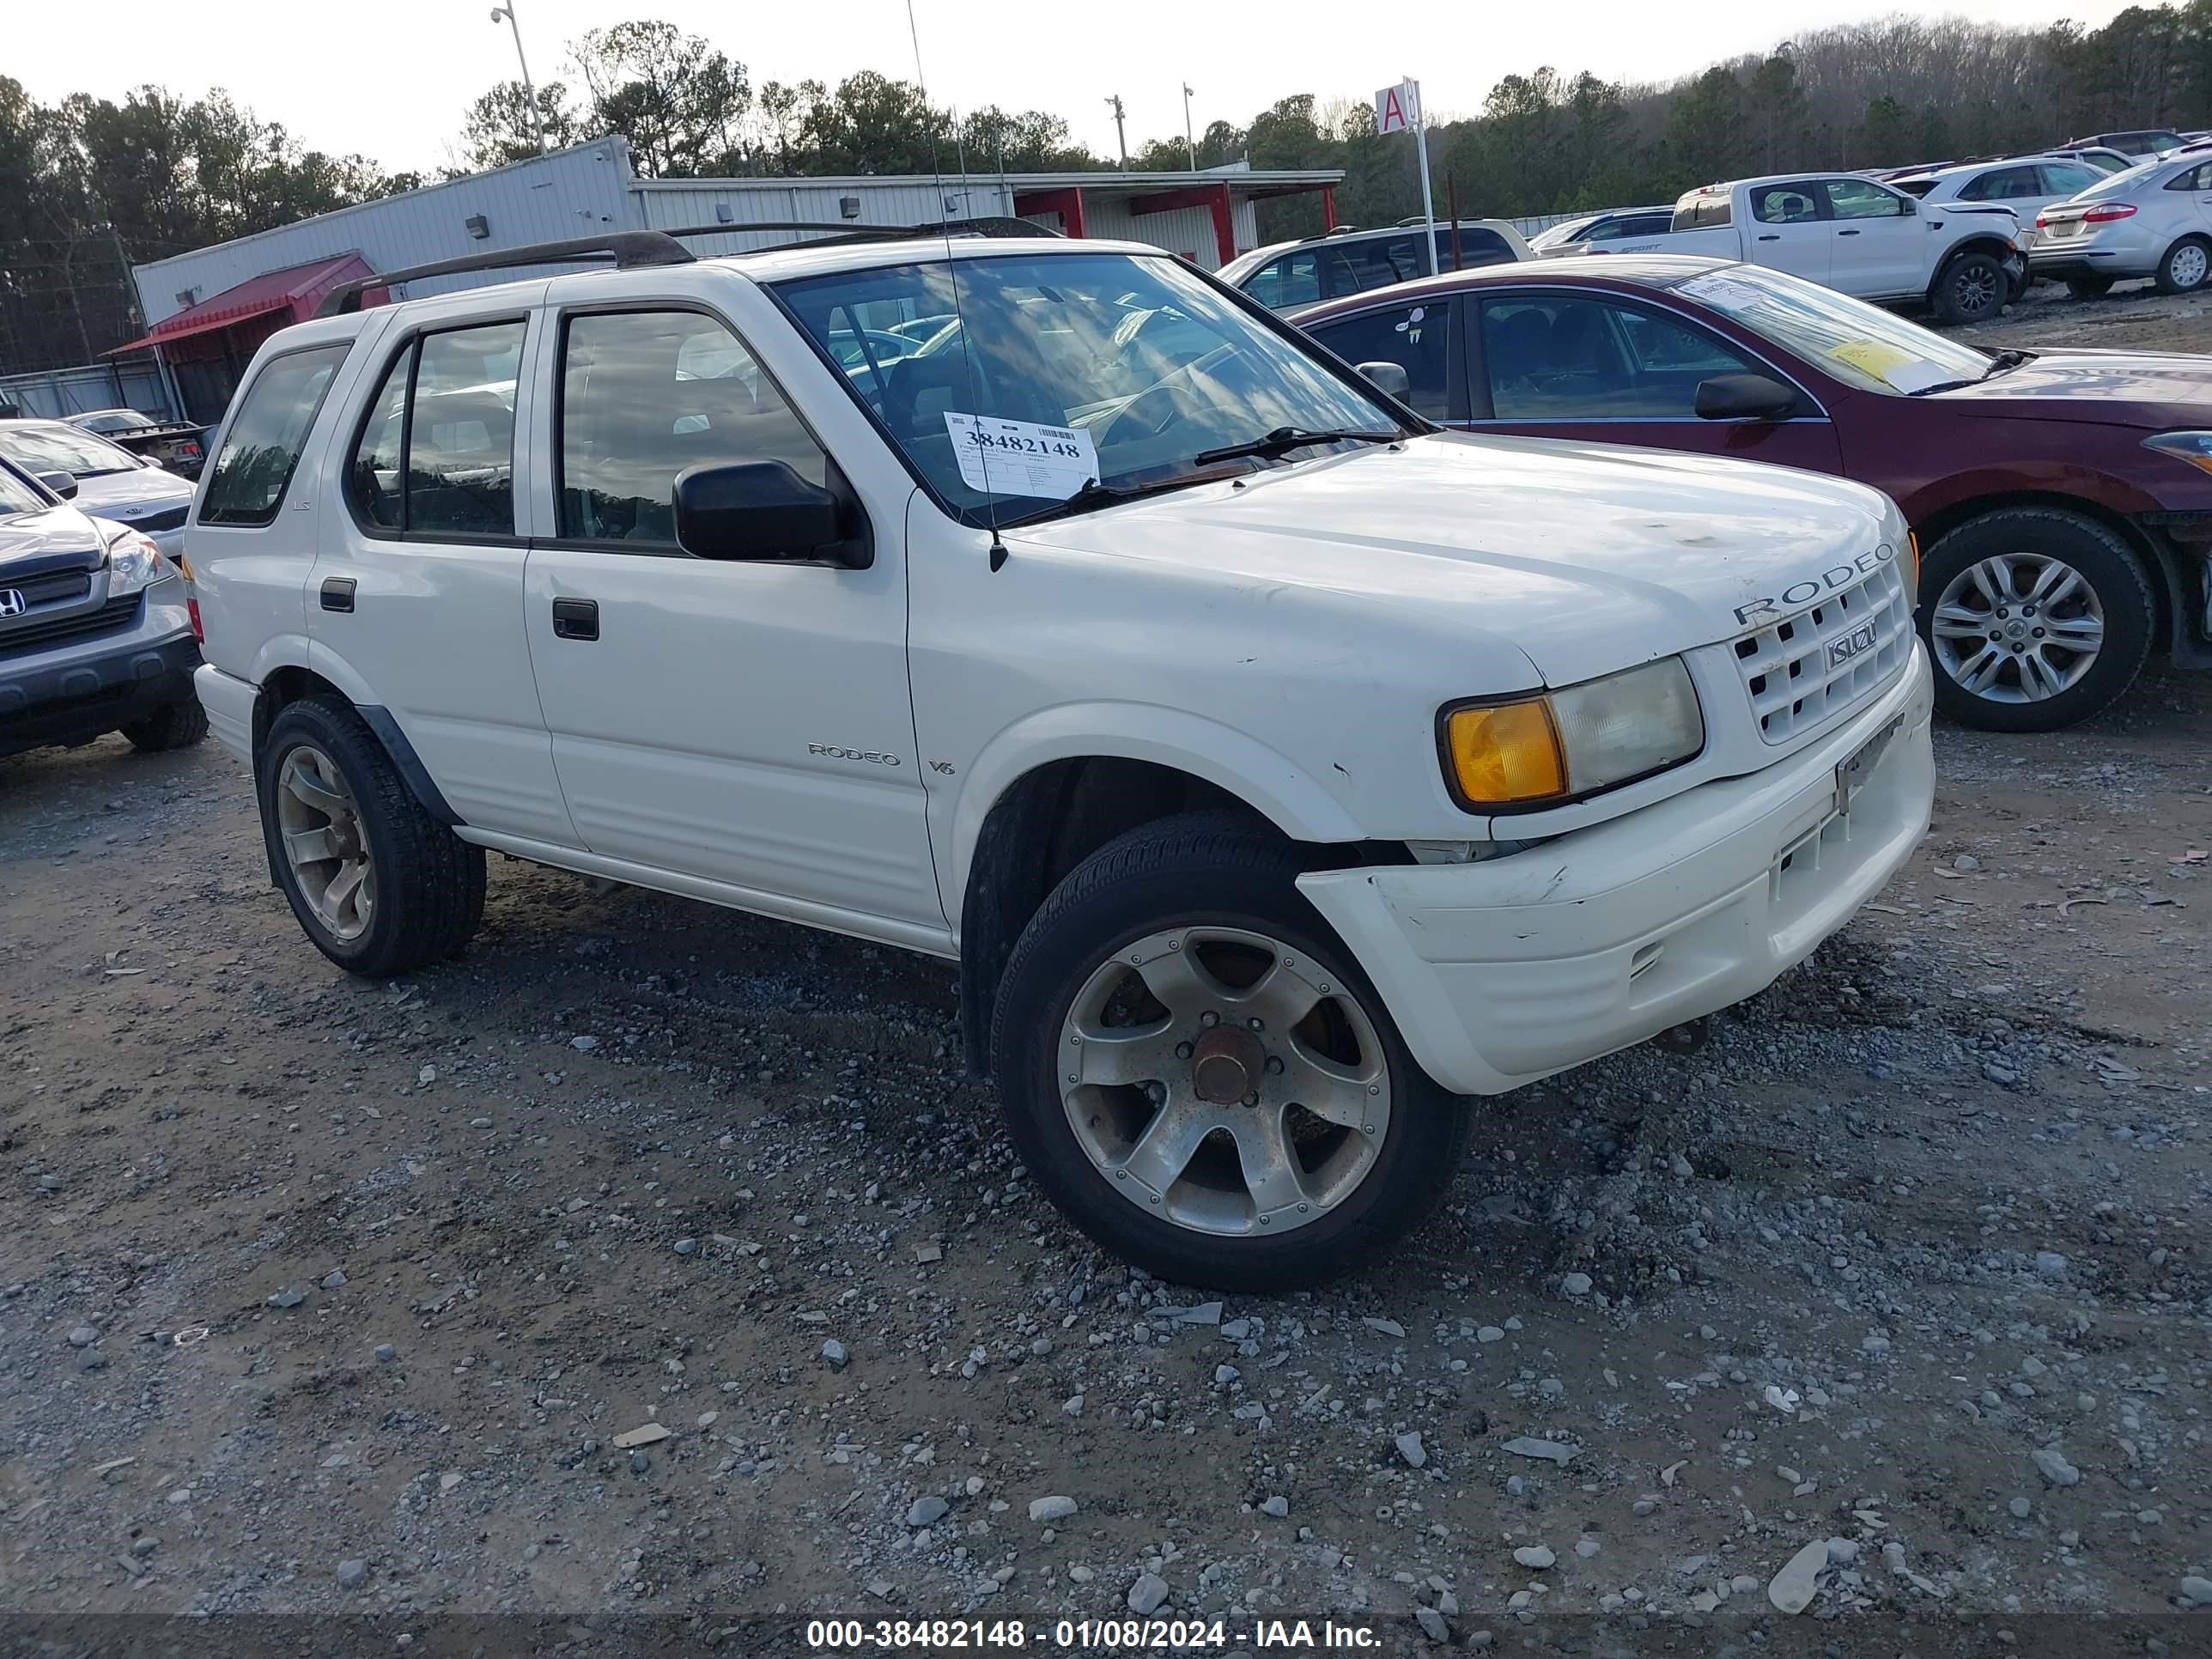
646	394
2197	177
1477	246
437	455
1286	282
2065	178
261	444
2004	184
1415	337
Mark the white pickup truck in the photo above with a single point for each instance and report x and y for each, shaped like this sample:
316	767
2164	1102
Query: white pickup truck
1861	238
1278	768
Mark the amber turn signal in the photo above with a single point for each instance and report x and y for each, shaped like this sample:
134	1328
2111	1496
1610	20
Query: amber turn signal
1506	753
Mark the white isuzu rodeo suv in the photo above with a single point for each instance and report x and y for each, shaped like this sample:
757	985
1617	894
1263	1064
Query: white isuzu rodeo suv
1278	769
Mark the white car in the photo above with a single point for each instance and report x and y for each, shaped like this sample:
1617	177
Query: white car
1620	230
2025	184
2152	221
1277	768
102	478
1285	275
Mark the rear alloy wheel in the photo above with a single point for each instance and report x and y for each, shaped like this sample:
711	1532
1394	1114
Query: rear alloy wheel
1972	288
1199	1075
2088	287
2186	264
2039	619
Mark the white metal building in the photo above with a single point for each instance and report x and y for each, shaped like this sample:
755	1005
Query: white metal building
1206	216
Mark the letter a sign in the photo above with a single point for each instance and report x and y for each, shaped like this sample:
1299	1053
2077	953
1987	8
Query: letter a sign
1398	108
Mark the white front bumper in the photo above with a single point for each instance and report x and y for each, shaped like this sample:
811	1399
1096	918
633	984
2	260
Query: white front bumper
1502	972
229	704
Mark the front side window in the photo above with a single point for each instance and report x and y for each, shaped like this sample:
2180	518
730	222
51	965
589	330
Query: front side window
1862	199
1561	358
437	455
51	446
1359	266
261	442
645	394
1292	281
1415	337
1129	369
1784	205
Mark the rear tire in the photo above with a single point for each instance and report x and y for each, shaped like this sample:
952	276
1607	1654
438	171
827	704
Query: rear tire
173	726
1341	1189
335	811
2089	288
2184	266
1998	611
1972	288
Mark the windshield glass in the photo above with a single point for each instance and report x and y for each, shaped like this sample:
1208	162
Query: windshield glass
1066	368
115	420
16	497
1858	343
58	448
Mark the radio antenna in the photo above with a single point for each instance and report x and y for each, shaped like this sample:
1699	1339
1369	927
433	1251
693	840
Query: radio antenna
952	269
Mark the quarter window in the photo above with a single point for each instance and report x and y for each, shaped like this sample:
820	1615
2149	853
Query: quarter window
2066	178
1415	337
646	394
437	455
261	442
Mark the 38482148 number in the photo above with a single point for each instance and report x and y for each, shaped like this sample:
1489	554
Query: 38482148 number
893	1634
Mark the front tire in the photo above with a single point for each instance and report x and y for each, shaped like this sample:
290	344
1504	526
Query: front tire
379	885
2035	618
1971	289
2185	266
1201	1077
2088	287
173	726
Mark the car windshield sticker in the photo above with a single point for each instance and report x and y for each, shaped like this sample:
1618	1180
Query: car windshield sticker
1020	458
1894	366
1724	291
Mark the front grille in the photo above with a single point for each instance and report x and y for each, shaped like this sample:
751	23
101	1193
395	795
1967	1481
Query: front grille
1821	661
55	588
37	634
155	523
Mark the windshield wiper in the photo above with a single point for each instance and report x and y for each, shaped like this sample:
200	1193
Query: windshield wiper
1285	439
2005	362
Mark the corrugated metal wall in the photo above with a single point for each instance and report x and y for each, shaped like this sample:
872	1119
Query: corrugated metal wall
133	383
556	198
666	204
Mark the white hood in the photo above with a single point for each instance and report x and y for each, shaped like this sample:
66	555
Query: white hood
126	497
1585	558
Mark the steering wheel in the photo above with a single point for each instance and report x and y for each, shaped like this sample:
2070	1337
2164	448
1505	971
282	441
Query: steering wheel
1171	403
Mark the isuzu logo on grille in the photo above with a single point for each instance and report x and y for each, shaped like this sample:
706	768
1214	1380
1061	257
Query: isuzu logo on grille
1859	639
12	603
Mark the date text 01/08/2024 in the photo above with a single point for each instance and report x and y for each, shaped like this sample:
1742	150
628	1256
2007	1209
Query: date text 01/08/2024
1083	1635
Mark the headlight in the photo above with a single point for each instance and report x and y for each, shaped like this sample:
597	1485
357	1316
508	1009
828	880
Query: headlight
2194	448
134	563
1562	745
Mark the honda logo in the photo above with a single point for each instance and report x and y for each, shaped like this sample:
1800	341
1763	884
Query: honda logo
12	603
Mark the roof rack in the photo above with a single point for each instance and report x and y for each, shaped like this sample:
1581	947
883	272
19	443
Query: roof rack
632	249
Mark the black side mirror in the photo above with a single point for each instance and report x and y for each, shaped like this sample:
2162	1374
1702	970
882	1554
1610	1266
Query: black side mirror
763	510
1745	398
1908	207
1388	378
63	485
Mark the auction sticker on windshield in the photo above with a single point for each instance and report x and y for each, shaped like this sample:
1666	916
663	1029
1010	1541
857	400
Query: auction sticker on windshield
1893	367
1020	458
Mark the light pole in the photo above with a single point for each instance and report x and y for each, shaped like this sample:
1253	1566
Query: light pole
1189	143
1121	137
529	92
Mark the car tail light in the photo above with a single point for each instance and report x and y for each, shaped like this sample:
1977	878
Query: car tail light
192	610
2104	212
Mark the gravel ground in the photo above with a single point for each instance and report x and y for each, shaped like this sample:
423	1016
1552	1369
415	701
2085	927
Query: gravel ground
656	1260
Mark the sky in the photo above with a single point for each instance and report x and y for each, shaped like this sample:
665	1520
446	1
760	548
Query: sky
391	79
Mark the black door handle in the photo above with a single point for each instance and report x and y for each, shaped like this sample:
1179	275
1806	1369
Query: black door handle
338	593
1847	233
1771	236
575	619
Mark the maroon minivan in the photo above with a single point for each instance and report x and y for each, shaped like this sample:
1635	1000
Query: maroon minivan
2062	499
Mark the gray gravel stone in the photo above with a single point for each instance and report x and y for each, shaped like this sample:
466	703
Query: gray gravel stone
335	1279
1045	1510
1279	1506
83	1337
352	1575
1148	1594
1410	1449
386	1353
1534	1555
2020	1508
2056	1469
926	1511
1576	1284
290	1296
1432	1624
2050	1264
2197	1592
1556	1451
686	1246
837	1354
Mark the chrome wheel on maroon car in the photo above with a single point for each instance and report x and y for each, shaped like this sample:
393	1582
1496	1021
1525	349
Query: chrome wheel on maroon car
2017	627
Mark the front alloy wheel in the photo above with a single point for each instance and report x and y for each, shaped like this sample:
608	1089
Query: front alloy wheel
1222	1083
2018	628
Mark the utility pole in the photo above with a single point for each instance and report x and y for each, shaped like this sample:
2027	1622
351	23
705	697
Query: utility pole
529	92
1120	134
1189	143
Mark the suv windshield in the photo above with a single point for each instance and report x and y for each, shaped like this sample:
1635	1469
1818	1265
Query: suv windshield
1066	368
49	447
1858	343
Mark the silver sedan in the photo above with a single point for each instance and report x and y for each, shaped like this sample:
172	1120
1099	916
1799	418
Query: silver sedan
2152	221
